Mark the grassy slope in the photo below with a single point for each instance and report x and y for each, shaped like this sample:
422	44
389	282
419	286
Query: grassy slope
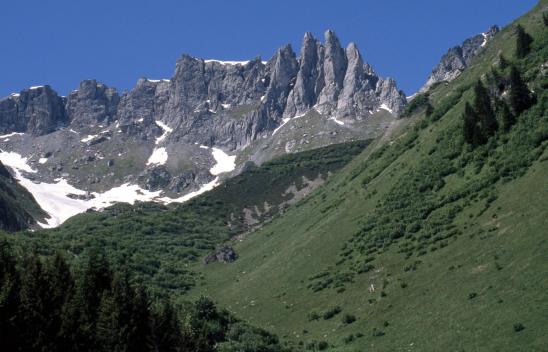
500	255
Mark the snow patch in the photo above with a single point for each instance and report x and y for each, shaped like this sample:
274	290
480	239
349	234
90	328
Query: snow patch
158	157
88	138
286	120
157	80
226	106
43	160
224	162
36	87
53	197
334	119
167	130
11	135
484	40
385	107
227	62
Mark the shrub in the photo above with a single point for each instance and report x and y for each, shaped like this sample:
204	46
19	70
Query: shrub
518	327
313	316
331	312
348	319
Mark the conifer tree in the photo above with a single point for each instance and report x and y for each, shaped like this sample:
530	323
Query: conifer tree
470	123
166	329
519	95
10	284
484	112
523	42
508	119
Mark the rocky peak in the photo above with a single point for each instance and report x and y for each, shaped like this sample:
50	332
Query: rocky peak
93	102
37	110
459	57
334	67
284	67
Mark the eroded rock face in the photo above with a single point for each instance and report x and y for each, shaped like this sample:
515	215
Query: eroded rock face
38	110
92	103
459	57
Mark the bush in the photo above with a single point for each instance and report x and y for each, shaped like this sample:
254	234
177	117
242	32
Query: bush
331	312
348	319
313	316
518	327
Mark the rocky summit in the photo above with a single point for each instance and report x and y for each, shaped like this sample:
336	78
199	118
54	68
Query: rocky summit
458	58
173	137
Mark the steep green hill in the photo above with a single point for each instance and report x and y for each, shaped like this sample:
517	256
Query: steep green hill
424	242
18	209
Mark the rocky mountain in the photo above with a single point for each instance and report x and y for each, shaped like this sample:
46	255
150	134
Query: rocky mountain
458	58
173	137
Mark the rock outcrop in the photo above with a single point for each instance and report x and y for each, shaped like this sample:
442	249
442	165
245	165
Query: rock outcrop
37	110
458	58
225	254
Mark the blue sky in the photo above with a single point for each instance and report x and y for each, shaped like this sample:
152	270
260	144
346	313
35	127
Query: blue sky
116	42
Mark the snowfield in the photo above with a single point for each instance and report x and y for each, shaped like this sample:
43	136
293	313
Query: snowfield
54	198
158	157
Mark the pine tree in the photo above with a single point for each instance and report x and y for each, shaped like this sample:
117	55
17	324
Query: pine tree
141	335
545	19
61	291
81	311
485	114
519	95
429	110
33	313
10	284
523	42
470	123
166	329
508	119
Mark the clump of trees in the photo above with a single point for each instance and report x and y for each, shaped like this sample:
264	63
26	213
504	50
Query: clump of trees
47	306
490	111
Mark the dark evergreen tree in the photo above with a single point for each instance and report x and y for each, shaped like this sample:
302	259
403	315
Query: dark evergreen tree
429	110
33	311
80	313
470	123
123	323
545	19
484	112
523	42
508	119
10	285
166	330
61	289
519	95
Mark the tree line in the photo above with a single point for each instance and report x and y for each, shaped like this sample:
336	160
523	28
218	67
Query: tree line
45	305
